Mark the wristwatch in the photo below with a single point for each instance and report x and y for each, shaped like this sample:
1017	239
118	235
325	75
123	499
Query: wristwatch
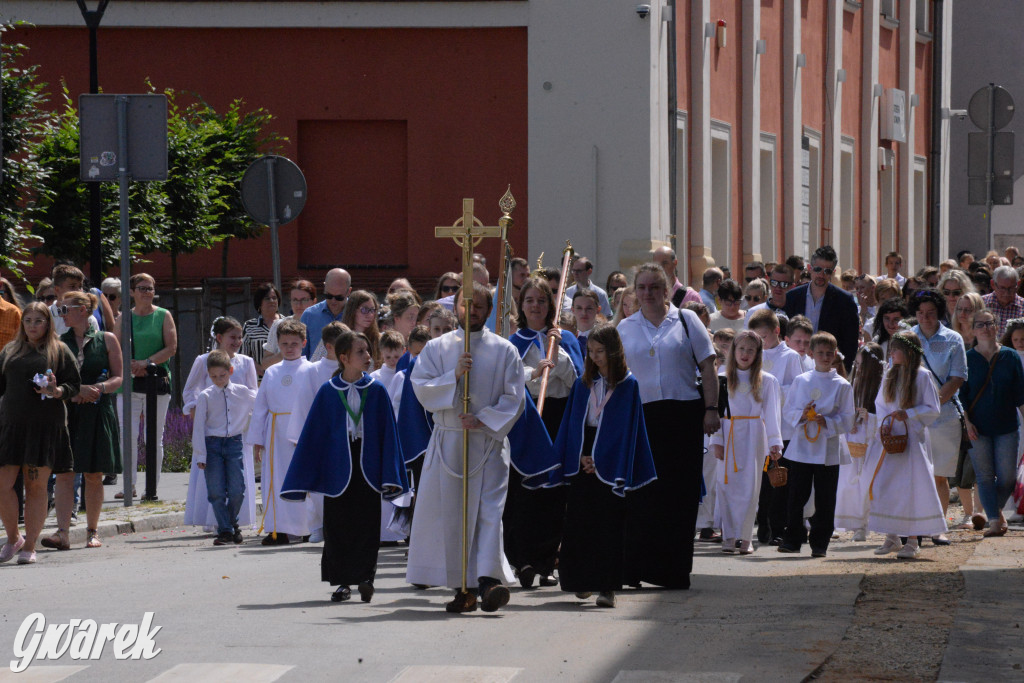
715	408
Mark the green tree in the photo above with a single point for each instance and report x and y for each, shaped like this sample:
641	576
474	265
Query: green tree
23	114
60	213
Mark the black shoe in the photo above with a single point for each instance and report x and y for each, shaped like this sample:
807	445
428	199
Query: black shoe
818	552
224	538
547	581
420	586
708	535
110	480
526	576
236	537
342	594
463	602
784	548
365	591
282	539
305	539
776	541
493	597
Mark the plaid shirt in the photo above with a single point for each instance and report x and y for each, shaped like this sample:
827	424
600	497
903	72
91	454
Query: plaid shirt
10	319
1004	314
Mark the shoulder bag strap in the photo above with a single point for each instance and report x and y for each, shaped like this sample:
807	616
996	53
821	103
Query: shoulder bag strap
988	378
686	330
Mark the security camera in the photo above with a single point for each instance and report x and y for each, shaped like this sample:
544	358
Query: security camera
959	114
643	10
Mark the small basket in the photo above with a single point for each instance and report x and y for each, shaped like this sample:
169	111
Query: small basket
893	443
857	450
777	474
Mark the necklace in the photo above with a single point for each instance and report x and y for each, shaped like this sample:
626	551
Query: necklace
658	333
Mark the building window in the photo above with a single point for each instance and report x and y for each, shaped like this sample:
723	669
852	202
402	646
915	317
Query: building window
889	9
810	196
846	228
768	194
721	194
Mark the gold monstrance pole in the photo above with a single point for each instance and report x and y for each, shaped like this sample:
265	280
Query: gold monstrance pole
502	319
467	232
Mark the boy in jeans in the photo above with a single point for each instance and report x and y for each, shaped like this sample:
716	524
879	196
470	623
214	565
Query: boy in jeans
222	415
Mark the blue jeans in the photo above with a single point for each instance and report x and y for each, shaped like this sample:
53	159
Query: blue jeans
995	464
225	480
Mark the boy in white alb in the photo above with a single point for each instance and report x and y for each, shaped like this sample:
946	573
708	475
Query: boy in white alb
268	433
798	338
784	364
392	347
221	416
820	408
309	380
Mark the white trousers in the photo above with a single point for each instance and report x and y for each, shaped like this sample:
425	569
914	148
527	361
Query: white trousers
138	423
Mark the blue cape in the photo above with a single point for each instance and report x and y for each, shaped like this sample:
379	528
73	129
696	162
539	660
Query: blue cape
414	422
532	453
523	338
404	362
322	460
622	453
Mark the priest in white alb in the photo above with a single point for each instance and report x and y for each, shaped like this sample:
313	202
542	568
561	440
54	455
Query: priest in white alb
497	384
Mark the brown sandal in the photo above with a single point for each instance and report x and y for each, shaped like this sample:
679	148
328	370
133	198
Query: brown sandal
59	541
94	539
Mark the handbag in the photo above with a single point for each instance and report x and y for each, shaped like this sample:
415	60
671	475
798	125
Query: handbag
723	384
893	443
163	377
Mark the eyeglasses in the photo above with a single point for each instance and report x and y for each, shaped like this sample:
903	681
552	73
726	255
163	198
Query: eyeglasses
820	269
112	296
952	292
301	302
983	325
366	310
579	271
781	284
50	298
730	302
144	288
66	308
335	297
748	297
446	289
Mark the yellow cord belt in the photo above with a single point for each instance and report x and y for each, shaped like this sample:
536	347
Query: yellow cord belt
273	488
730	443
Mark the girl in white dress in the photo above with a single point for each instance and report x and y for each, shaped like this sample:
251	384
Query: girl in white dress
852	495
902	492
748	435
227	336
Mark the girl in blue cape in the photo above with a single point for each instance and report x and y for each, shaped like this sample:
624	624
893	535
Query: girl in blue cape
605	454
352	473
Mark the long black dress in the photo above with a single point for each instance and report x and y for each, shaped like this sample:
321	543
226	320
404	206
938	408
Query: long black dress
351	530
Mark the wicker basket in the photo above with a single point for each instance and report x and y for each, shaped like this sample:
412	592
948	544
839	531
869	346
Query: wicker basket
777	474
857	450
893	443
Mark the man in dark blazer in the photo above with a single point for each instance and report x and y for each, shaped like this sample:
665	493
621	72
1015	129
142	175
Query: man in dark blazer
830	308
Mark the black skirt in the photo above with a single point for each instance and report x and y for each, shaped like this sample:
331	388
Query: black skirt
533	518
351	530
661	517
593	542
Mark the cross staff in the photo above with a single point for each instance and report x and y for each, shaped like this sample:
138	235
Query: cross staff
467	232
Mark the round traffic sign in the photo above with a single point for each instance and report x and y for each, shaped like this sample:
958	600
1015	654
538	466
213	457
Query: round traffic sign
1002	107
289	189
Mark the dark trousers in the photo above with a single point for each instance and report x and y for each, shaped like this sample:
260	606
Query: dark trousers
772	506
825	480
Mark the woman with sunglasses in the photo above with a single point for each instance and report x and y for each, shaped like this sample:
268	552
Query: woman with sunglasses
447	285
952	285
756	293
360	316
301	296
964	311
730	315
45	292
92	422
994	395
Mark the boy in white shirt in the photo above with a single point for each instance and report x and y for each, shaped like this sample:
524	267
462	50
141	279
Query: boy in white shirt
392	348
784	364
221	417
798	338
820	408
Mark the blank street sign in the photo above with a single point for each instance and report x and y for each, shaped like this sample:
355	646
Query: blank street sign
147	137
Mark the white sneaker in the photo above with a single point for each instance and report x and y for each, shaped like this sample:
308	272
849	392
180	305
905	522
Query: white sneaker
746	547
908	552
835	535
892	545
317	536
860	535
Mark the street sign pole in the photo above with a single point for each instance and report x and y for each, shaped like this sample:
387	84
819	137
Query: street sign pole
127	452
270	162
990	175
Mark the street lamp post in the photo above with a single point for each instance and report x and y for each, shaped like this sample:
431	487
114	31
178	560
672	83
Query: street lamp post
92	21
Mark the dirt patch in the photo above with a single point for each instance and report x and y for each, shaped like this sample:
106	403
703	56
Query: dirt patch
903	616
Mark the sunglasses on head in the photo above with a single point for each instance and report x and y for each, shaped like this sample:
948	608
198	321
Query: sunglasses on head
821	269
781	284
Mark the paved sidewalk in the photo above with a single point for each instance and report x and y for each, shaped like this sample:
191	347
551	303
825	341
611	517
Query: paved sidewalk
987	639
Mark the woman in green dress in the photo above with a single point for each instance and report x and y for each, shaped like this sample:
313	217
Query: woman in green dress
95	441
33	424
